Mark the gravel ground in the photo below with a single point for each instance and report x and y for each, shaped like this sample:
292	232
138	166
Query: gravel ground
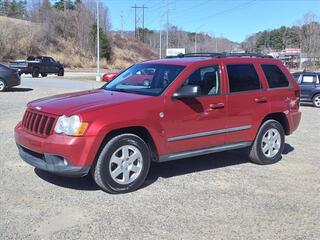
218	196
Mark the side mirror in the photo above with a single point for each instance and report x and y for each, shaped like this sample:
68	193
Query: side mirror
187	91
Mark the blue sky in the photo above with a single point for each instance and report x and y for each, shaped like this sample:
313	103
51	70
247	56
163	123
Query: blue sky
234	19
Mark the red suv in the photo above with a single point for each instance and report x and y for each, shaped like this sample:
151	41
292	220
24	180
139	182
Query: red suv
163	110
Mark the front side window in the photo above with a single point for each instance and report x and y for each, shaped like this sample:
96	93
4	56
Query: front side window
207	79
146	79
296	77
275	77
242	77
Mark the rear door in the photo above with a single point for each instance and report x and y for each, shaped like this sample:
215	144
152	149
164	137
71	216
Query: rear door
247	101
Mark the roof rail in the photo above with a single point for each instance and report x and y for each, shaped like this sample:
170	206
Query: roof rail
221	55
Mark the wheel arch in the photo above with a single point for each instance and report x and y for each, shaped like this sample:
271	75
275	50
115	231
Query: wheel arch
314	94
140	131
281	118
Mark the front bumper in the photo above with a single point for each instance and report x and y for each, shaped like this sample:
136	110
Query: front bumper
52	163
57	153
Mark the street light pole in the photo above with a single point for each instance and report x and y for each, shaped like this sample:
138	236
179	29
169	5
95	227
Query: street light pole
195	42
98	44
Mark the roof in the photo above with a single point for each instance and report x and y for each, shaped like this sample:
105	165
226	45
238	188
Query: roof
306	72
179	61
189	58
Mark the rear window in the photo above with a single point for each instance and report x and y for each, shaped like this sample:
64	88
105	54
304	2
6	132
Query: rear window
274	75
242	77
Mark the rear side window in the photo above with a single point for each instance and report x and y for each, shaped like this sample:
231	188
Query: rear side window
242	77
274	75
309	79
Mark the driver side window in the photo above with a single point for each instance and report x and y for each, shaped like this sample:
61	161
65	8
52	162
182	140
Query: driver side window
207	79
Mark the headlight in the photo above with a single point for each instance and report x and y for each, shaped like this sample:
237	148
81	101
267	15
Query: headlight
71	126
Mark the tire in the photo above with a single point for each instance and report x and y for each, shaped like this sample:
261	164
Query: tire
316	100
35	72
265	149
115	158
61	72
3	85
44	74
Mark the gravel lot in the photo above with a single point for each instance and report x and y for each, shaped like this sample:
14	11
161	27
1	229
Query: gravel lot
218	196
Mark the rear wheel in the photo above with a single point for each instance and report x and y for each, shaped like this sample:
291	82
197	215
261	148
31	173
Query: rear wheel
123	164
35	72
316	100
269	143
3	85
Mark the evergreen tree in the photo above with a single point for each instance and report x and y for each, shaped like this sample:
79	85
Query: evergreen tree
105	45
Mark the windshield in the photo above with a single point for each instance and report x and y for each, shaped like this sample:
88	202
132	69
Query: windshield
147	79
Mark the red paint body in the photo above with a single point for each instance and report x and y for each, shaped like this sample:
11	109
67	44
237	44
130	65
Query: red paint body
106	111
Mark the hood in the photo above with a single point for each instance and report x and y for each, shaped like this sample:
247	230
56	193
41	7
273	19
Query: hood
73	103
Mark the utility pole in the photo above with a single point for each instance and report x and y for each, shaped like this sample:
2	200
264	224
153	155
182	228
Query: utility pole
138	21
167	39
98	43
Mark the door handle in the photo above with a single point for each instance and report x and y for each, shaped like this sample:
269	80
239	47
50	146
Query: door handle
261	100
216	105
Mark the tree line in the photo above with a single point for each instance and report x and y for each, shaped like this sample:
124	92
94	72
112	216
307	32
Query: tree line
304	35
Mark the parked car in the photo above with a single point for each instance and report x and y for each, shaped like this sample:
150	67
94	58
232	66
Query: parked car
8	78
108	77
40	65
193	105
310	86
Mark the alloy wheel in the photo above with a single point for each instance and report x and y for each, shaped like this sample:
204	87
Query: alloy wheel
126	164
271	142
2	85
317	101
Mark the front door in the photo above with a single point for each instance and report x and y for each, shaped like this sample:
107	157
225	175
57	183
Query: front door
199	122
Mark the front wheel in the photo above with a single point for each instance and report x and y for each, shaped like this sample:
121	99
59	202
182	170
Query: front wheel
316	100
269	143
123	164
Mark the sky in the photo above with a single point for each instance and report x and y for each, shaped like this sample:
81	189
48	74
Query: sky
233	19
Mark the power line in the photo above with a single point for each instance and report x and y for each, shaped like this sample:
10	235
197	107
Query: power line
225	11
